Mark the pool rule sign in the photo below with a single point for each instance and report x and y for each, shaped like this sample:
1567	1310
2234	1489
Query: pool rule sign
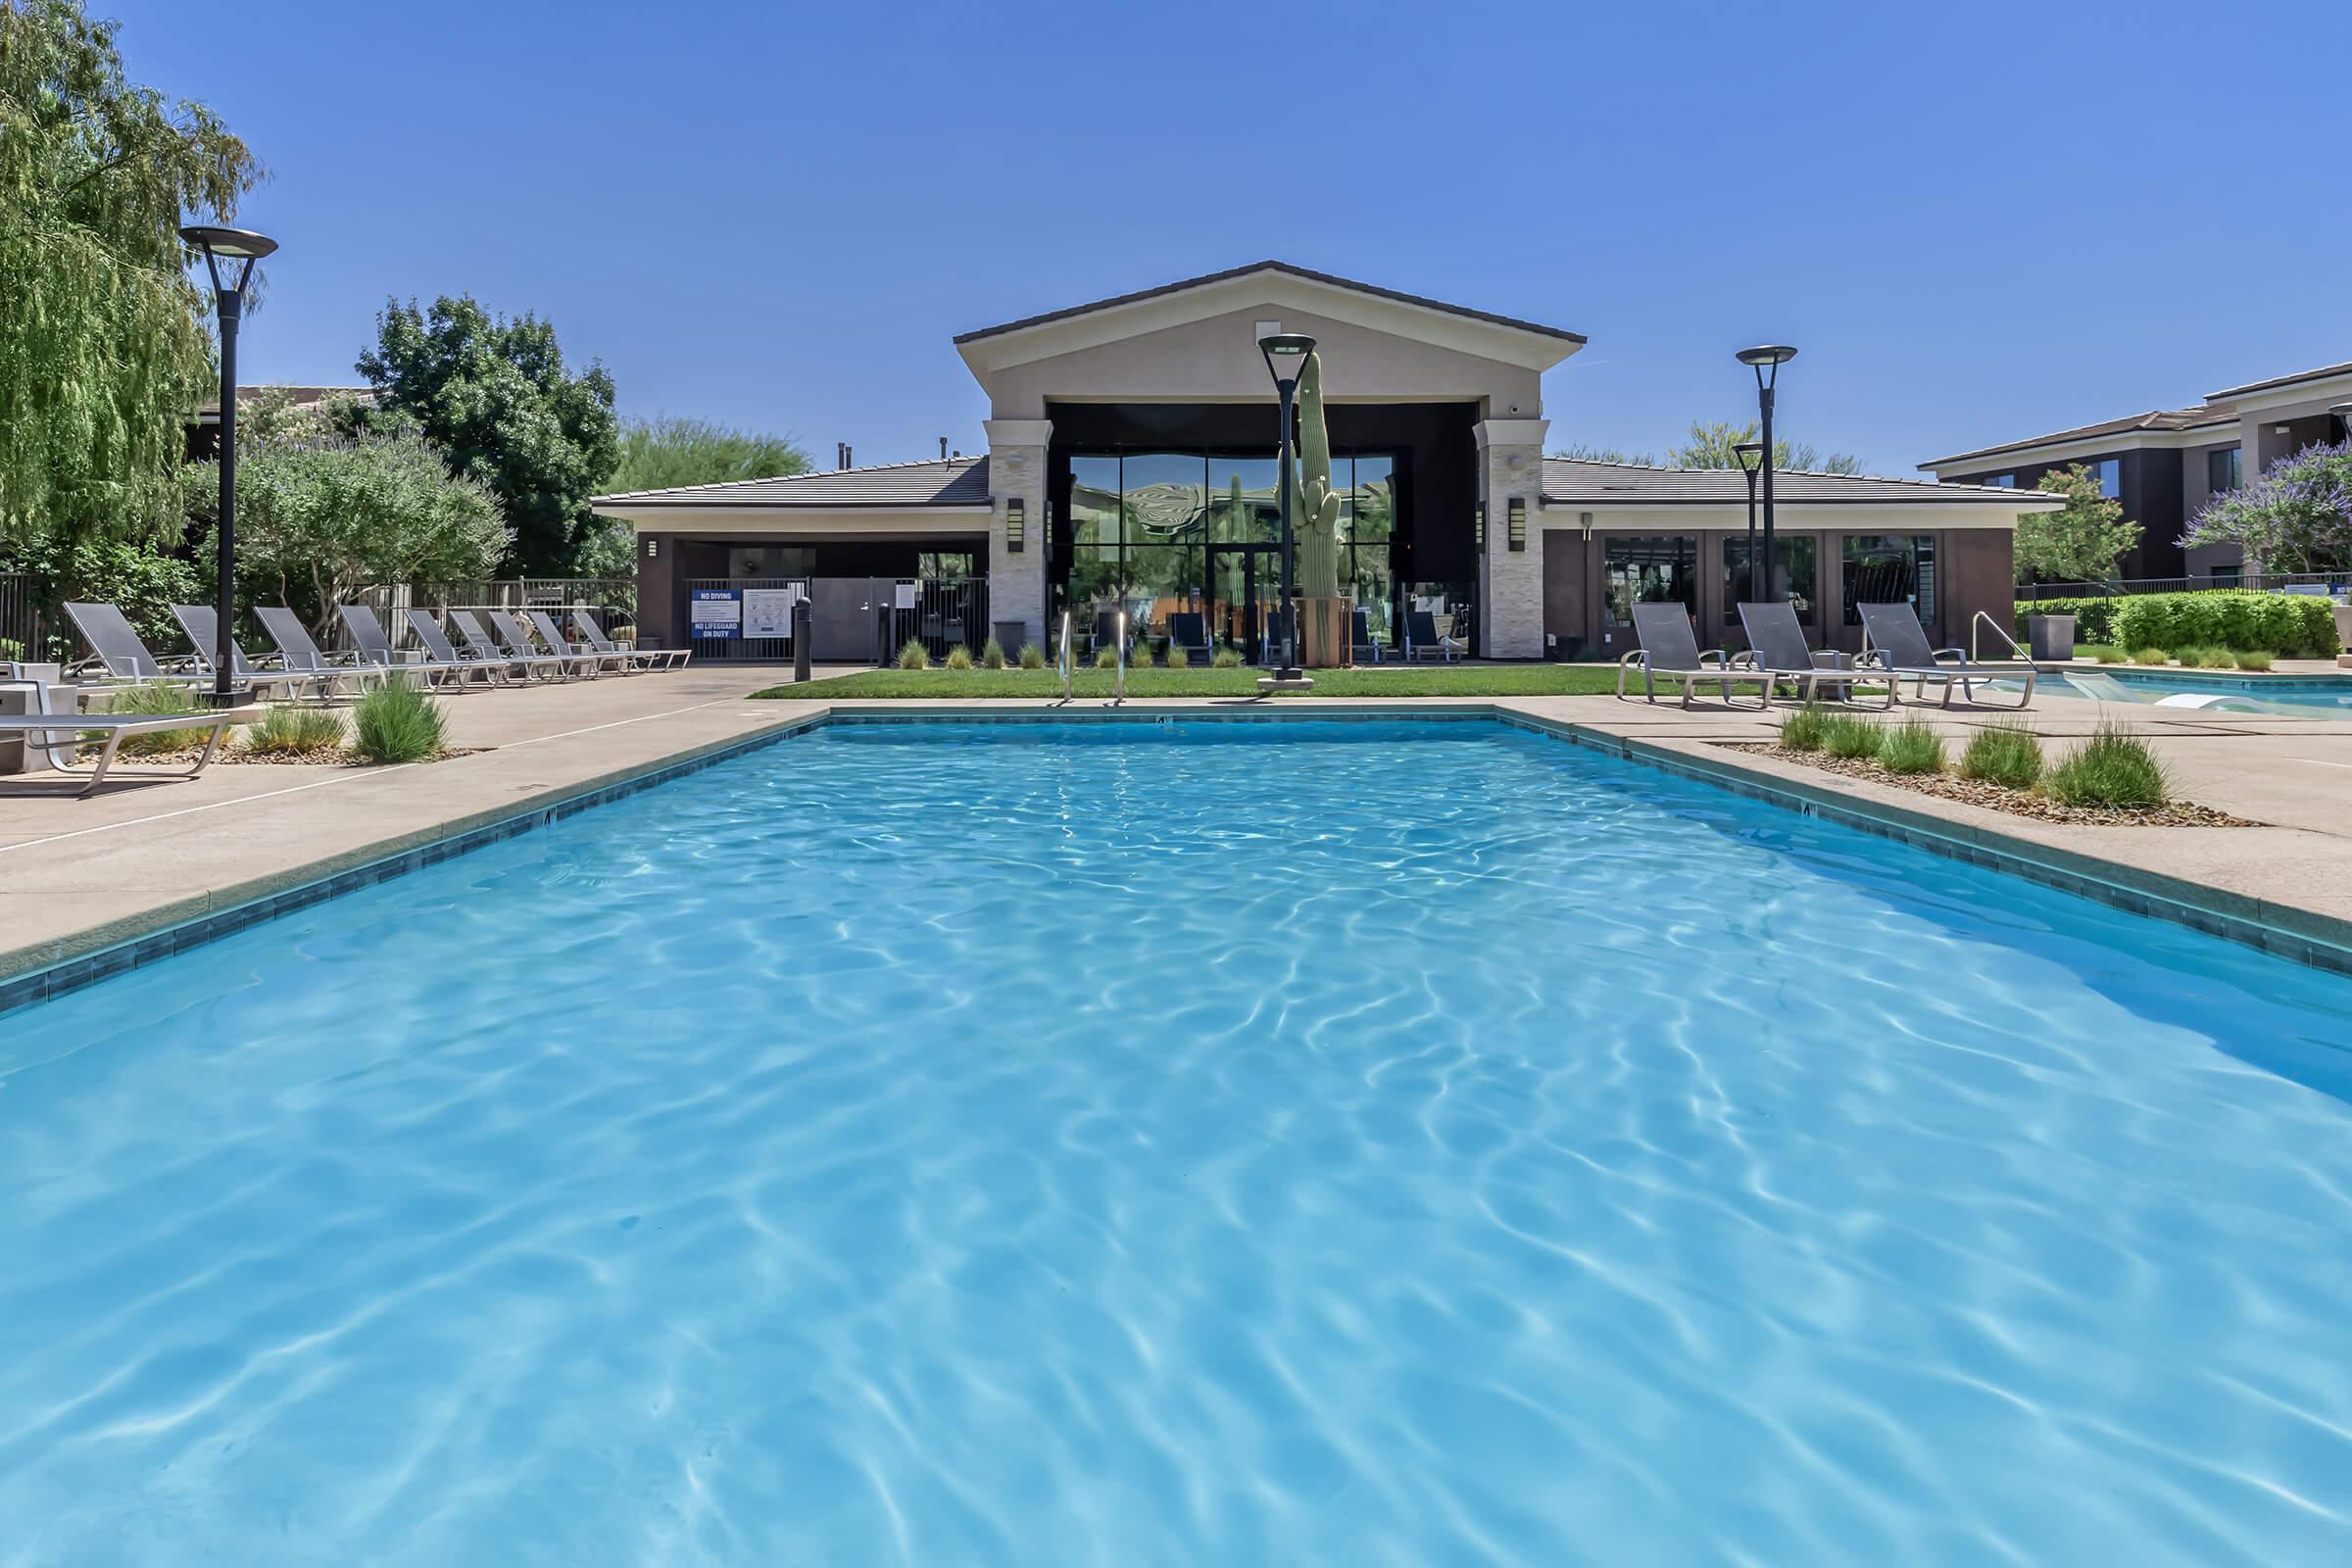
716	612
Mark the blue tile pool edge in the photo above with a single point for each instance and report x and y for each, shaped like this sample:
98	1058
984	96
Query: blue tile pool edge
2296	935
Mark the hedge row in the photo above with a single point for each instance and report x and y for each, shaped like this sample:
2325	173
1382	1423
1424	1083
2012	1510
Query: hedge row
2290	625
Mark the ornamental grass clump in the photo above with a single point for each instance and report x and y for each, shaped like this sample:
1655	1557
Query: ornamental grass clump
2150	656
1032	657
2210	658
290	731
397	722
991	655
1106	659
2253	658
2111	656
1801	731
1226	659
1911	747
2004	753
1178	659
959	658
1140	657
154	697
1851	736
2113	771
915	655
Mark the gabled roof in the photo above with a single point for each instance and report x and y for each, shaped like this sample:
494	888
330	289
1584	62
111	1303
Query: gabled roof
900	486
1583	482
1285	269
2158	420
2322	373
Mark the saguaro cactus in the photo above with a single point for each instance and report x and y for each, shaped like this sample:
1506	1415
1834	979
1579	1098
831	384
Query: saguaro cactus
1317	523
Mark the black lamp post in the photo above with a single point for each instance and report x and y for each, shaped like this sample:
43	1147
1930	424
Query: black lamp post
1747	452
1765	361
1286	359
241	248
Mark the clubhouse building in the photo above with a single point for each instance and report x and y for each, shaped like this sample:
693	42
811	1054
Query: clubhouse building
1131	464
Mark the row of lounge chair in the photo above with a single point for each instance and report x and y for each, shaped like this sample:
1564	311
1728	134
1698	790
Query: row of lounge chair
1189	630
1896	652
514	646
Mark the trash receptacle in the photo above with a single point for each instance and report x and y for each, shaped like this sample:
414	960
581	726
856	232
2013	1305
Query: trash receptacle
1010	634
2050	638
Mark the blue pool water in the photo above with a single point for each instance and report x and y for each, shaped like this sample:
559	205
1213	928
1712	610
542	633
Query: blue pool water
1368	1143
2310	696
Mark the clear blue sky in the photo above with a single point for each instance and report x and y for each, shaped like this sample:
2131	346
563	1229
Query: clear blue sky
1977	223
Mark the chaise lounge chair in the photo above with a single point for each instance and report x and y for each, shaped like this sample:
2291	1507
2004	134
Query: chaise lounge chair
648	658
60	735
1669	652
202	624
1777	646
375	649
596	658
1189	630
480	645
122	652
435	642
1359	629
298	650
1421	639
1893	641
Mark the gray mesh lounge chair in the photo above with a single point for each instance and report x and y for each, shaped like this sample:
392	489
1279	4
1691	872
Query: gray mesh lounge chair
202	624
480	645
1421	639
1189	630
1669	652
515	635
375	649
1777	646
122	654
1895	641
298	650
553	636
492	667
1360	636
593	631
60	735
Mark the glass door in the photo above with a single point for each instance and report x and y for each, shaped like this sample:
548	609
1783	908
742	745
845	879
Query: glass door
1242	582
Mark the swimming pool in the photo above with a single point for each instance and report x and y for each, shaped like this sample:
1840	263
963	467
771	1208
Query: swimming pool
1368	1143
2320	696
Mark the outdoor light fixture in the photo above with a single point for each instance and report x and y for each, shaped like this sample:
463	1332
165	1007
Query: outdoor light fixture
241	248
1516	511
1016	529
1766	360
1751	454
2343	419
1286	361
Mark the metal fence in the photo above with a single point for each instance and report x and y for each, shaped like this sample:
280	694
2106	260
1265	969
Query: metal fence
2335	582
27	619
940	613
614	599
753	603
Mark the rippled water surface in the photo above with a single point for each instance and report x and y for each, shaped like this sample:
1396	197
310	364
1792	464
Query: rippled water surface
1202	1143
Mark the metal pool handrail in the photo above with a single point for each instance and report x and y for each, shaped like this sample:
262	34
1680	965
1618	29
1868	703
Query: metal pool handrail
1122	684
1998	631
1064	661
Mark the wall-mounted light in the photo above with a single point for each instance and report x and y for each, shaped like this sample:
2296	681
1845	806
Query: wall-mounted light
1016	527
1516	511
1586	519
1482	527
652	548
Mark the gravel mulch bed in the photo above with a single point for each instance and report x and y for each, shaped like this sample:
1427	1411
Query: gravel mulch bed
1996	797
231	754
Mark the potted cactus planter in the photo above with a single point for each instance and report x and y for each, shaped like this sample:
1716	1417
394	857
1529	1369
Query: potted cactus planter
1324	642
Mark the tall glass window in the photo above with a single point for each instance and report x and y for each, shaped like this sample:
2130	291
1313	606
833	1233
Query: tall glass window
2110	475
1639	569
1799	564
2221	472
1889	569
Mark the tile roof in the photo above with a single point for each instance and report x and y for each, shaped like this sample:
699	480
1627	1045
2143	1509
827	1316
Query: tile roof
2154	419
1578	482
930	482
1286	269
2321	375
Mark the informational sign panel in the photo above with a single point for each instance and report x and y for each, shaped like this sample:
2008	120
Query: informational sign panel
768	611
905	597
716	612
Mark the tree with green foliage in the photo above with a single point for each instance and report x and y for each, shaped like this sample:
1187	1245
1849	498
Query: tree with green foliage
104	350
668	451
1711	446
318	521
2296	517
2081	541
91	567
494	395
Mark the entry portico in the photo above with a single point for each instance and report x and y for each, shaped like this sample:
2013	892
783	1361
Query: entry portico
1131	464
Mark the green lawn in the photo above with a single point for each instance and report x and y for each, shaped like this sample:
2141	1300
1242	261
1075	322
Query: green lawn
1425	681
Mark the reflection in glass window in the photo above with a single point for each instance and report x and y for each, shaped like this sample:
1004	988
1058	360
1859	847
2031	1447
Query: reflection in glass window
2223	474
1889	569
1798	554
1166	498
2110	475
1095	501
1245	507
1641	570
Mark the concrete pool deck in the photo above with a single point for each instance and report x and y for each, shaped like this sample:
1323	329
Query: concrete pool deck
80	876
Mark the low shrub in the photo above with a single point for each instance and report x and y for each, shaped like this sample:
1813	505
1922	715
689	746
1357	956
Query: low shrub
1032	657
1106	659
2113	769
1140	657
2004	753
1800	731
915	655
287	730
2151	656
2212	658
1911	747
397	722
991	655
2253	658
2094	619
155	697
1226	659
2110	656
1178	659
959	658
1849	735
2293	625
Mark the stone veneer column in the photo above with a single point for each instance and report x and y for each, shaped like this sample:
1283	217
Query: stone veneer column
1016	467
1510	587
